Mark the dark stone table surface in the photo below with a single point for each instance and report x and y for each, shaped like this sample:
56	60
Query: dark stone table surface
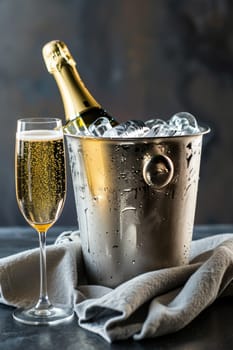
211	330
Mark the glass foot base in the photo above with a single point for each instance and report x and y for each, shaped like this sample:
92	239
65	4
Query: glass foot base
52	316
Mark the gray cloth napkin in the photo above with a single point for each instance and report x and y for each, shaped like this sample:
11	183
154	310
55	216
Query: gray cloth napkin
19	275
149	305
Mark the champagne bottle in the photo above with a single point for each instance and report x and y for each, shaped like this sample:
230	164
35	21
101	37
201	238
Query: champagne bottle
81	109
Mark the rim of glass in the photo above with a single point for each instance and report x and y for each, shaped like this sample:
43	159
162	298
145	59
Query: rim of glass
39	120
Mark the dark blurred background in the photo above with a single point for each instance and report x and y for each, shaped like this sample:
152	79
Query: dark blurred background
140	59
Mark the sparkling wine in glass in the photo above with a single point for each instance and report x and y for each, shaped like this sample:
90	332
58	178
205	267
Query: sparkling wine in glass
40	177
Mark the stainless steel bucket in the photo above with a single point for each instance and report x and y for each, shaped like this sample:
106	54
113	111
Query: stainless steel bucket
135	201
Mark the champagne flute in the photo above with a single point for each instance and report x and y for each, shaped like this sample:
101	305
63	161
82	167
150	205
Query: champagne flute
40	177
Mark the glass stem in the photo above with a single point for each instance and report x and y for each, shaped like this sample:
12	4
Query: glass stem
43	302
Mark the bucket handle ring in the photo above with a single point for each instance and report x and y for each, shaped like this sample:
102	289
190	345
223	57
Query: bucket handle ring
158	171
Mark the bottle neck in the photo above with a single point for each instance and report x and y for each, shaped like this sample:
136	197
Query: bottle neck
75	96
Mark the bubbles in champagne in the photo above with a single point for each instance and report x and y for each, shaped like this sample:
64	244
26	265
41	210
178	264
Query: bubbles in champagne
40	176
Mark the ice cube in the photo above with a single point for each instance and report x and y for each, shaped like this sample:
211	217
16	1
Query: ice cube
151	123
99	126
131	128
184	123
161	130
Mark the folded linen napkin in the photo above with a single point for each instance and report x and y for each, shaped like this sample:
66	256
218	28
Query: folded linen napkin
19	274
149	305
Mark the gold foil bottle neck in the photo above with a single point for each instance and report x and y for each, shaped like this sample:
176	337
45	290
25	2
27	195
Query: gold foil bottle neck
60	63
55	54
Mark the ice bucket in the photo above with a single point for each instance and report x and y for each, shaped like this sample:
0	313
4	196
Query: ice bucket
135	201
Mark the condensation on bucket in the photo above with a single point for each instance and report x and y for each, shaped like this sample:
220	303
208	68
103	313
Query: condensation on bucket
135	202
